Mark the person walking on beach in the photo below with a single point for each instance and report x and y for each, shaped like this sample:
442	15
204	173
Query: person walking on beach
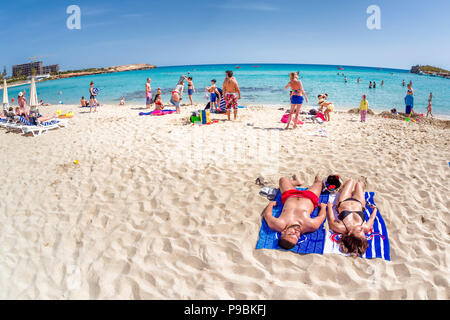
190	88
231	93
363	107
409	101
148	93
22	101
177	93
92	97
297	97
295	219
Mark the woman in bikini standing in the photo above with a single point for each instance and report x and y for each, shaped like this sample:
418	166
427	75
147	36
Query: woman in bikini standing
351	220
190	88
297	95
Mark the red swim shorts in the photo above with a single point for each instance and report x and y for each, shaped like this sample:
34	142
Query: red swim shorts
294	193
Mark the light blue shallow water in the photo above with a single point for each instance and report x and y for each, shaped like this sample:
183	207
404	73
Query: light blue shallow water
259	85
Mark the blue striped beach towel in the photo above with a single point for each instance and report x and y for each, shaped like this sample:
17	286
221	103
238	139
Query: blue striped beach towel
308	243
324	241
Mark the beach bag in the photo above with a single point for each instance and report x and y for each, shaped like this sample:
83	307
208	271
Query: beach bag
285	119
204	117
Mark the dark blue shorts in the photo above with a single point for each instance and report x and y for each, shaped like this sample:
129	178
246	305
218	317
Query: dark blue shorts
190	92
408	109
296	99
213	97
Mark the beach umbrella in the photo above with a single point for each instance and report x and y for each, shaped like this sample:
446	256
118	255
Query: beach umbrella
5	94
33	94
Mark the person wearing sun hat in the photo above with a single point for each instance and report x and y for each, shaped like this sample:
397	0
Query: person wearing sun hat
22	101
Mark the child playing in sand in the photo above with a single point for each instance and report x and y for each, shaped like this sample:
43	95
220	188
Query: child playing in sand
363	107
326	107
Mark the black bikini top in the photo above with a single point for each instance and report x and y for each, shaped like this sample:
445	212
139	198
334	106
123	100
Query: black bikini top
346	213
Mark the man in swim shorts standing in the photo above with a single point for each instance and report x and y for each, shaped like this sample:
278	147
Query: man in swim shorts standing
231	93
148	93
295	219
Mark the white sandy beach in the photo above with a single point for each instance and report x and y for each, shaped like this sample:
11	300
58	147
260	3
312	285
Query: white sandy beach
159	209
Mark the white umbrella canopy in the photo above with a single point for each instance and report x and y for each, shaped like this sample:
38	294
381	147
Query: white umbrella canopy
5	93
33	94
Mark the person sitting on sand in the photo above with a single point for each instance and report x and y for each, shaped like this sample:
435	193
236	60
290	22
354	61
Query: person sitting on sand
297	97
158	103
84	102
122	101
295	219
351	219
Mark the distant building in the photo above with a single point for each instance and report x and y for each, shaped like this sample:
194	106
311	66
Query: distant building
50	69
37	67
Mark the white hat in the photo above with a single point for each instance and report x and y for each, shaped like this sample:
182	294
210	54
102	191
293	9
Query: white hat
20	94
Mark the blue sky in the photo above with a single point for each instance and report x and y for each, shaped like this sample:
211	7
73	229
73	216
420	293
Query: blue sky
229	31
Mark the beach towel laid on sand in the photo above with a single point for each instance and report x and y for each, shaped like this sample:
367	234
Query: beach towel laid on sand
157	113
308	243
324	241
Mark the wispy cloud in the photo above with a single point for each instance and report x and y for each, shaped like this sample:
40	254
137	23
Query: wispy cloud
132	15
248	6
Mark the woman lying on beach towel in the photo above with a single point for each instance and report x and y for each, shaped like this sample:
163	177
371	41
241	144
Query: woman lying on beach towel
351	219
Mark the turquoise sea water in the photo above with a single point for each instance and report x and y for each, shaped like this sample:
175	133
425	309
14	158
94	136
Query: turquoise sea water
259	85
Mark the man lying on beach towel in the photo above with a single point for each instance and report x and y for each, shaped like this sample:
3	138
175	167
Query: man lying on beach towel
295	219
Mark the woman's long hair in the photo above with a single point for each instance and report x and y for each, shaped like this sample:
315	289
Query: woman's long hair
353	245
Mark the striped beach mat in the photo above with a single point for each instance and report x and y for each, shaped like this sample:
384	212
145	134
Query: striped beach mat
378	238
324	241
